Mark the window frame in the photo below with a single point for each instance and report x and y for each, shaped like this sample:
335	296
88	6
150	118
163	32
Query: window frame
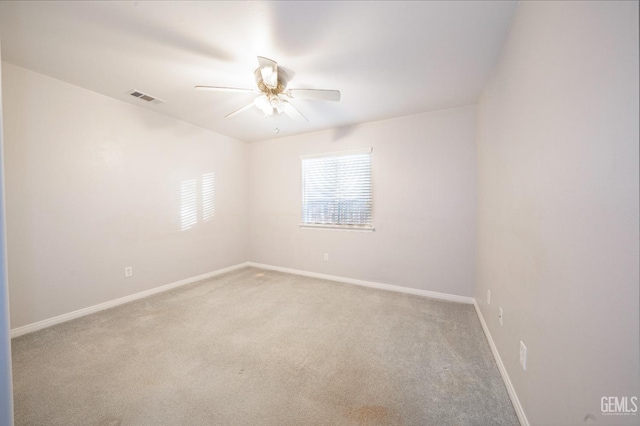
338	226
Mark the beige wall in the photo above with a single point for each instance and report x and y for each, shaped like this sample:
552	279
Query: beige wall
424	204
94	185
558	208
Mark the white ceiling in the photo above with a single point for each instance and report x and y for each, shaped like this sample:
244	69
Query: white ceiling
388	59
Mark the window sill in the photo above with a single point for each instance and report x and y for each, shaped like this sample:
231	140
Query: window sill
368	228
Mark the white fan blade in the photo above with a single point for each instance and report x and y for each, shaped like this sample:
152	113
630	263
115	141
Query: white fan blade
318	94
225	89
238	111
292	112
269	72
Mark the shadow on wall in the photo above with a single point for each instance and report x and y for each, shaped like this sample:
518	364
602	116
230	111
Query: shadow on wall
342	132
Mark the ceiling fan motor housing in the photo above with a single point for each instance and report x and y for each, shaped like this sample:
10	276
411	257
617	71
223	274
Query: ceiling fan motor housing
282	83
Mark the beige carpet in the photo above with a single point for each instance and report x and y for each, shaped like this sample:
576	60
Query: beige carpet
255	347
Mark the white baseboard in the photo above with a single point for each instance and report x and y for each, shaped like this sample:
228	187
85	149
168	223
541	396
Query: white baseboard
503	371
390	287
106	305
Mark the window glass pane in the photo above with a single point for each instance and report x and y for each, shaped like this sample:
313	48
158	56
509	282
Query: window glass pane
336	190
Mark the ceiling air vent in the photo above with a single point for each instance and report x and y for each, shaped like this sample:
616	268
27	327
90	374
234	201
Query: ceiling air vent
145	97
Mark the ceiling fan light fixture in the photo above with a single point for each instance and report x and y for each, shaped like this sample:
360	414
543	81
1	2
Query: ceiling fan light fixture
262	102
275	101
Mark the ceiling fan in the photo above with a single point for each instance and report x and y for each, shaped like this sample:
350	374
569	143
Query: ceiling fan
274	95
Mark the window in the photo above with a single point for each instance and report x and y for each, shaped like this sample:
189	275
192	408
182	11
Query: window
336	190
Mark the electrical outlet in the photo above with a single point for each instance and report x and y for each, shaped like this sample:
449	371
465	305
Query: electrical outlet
523	356
128	272
500	315
488	297
326	257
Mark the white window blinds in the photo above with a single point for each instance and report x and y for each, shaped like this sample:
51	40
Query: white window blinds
336	189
